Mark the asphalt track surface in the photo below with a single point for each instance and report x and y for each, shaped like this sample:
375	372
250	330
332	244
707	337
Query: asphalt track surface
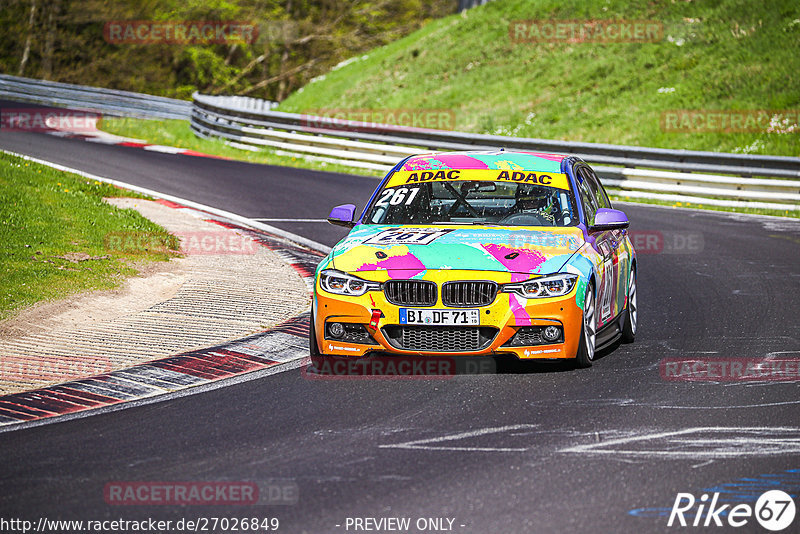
529	449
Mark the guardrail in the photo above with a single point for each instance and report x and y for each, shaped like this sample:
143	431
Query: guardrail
713	178
675	175
106	101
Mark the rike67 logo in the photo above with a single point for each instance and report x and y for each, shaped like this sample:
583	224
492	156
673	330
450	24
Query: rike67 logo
774	510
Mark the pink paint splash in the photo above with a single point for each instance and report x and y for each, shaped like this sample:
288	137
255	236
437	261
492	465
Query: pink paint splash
405	266
428	164
444	161
526	260
521	316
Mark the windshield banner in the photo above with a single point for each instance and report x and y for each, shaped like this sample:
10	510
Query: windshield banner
557	180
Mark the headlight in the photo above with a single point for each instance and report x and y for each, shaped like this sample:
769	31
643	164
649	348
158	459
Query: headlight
554	285
340	283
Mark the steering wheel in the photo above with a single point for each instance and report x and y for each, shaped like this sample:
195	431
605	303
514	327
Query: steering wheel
522	219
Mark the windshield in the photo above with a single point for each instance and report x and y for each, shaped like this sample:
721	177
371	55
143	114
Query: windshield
473	202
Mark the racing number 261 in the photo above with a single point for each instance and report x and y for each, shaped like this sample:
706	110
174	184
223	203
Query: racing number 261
401	195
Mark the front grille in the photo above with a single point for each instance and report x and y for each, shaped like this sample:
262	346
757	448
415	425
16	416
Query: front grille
410	292
440	338
461	294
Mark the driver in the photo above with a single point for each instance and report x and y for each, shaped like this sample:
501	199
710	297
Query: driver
535	200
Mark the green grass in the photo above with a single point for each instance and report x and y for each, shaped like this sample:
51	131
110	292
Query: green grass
715	55
46	213
178	134
733	55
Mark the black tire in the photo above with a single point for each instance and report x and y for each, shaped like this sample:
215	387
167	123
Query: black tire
631	312
586	346
316	356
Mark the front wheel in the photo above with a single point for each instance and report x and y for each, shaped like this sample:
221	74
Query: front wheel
632	314
585	355
316	356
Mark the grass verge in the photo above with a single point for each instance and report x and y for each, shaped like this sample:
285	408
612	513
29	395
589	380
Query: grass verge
54	230
725	55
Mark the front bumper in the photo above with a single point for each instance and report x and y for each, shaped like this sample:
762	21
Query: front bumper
499	322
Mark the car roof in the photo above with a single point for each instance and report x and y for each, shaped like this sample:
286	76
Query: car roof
490	159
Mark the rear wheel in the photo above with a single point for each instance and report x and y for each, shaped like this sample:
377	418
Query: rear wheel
585	355
632	314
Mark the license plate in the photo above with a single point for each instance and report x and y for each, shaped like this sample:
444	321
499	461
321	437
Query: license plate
440	317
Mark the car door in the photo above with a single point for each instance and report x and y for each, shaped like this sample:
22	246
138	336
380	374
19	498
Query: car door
621	253
607	243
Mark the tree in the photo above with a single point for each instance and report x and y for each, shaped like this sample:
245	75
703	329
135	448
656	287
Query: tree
298	40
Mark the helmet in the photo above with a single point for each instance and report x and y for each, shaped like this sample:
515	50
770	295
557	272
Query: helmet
531	197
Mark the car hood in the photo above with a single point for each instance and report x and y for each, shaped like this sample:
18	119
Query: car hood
408	251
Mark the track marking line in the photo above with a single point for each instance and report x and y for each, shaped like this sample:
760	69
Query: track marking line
676	444
728	214
422	444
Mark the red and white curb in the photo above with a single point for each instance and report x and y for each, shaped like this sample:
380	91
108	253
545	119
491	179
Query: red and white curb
105	138
283	344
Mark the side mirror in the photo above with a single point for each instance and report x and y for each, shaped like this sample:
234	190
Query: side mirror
343	215
608	219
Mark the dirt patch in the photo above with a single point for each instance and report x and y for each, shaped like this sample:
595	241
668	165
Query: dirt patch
225	287
154	283
75	257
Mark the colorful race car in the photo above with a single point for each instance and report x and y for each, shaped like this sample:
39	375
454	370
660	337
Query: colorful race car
478	253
